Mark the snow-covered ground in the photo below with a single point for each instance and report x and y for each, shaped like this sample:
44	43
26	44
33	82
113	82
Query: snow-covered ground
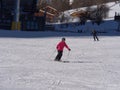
26	59
26	62
113	6
113	25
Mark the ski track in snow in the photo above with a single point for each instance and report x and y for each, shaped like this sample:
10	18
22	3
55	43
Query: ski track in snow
27	64
26	59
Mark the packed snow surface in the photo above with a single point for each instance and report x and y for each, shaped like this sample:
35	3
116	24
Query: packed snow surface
27	59
27	62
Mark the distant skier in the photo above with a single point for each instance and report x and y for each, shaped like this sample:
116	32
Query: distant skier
94	33
60	47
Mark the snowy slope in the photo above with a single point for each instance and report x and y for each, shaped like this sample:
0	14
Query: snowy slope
114	7
26	62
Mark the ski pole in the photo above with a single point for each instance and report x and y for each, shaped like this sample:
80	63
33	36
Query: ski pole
68	55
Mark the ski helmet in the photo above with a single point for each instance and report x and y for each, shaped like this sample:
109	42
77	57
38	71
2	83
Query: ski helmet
63	39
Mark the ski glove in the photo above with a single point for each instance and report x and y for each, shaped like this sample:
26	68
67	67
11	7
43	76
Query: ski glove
69	49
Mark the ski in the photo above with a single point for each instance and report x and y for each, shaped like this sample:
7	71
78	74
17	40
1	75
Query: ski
78	62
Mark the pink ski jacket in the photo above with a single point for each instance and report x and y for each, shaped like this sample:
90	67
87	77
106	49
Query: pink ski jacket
61	46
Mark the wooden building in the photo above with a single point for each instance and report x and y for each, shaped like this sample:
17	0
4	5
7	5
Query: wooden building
50	12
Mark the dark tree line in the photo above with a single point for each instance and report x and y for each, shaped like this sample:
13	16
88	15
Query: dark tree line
95	15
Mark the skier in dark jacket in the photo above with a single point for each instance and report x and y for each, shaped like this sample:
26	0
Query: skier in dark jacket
94	33
60	47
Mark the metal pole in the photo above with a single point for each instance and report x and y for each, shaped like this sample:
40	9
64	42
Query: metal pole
1	8
17	11
16	22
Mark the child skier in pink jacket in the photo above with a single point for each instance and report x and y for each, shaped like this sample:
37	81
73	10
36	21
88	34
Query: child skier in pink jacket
60	47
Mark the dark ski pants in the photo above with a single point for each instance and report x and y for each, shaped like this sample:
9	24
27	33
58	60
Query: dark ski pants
59	55
95	38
